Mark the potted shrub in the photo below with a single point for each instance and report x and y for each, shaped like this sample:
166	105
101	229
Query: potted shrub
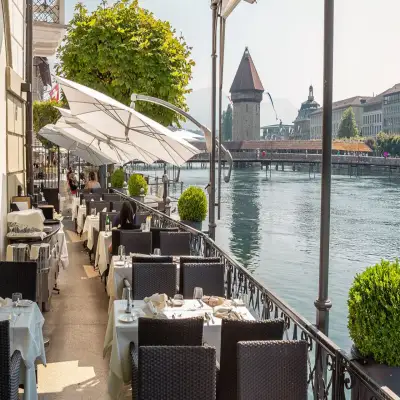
135	184
374	324
117	178
192	207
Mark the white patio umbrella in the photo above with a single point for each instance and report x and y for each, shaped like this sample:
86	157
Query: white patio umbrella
66	140
120	151
122	124
187	135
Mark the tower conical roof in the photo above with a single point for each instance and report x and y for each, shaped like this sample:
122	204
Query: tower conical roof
246	77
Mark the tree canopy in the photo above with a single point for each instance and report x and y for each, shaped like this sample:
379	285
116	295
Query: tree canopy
388	143
123	49
44	113
348	126
227	124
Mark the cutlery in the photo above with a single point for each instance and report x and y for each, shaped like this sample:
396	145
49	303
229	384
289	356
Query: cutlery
201	304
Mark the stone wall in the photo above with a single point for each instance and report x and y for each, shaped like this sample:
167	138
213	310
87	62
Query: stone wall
246	121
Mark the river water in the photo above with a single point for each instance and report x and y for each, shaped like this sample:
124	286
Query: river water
272	226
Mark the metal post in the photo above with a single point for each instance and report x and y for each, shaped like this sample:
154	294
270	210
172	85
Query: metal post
211	205
323	304
29	98
221	76
58	167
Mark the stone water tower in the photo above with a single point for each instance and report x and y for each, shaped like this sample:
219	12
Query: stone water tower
246	95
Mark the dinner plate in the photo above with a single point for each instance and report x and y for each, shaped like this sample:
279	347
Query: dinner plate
24	303
127	318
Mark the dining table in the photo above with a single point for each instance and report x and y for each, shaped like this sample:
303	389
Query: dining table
92	221
79	218
102	253
26	335
120	334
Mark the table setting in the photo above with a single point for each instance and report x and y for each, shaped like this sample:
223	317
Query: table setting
92	221
79	218
123	326
102	253
26	324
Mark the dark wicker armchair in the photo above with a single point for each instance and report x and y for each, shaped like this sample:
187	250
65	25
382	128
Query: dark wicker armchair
103	217
175	243
275	370
152	259
136	241
9	366
156	235
210	277
151	278
116	205
233	332
18	277
98	205
111	197
175	372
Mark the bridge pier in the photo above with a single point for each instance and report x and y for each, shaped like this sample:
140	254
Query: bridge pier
294	167
283	166
276	167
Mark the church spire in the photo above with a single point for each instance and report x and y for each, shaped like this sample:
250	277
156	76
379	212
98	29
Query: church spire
311	93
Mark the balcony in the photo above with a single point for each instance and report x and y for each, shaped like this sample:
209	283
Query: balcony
48	26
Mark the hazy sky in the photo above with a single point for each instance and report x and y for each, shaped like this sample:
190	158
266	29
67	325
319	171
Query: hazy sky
285	38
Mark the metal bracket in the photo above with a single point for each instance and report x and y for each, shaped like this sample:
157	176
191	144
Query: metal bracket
26	87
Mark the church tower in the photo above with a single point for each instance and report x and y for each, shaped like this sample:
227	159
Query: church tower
246	95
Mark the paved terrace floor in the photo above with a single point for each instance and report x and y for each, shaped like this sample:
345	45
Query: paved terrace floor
76	326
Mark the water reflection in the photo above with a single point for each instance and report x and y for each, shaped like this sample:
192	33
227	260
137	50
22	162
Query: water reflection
245	222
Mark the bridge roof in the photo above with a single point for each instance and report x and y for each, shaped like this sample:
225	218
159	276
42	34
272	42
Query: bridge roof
291	145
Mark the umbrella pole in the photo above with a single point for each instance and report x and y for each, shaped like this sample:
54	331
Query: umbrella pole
323	303
211	209
221	75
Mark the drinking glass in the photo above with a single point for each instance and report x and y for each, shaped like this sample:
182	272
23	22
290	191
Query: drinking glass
198	293
178	297
121	252
143	227
127	295
157	252
93	212
16	297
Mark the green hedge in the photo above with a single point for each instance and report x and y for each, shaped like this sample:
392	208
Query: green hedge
192	205
374	312
137	182
117	178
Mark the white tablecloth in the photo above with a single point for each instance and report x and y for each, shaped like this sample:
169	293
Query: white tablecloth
76	202
28	219
102	253
119	335
87	233
79	218
26	336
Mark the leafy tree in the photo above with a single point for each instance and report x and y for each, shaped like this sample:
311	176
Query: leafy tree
44	113
227	124
123	49
348	126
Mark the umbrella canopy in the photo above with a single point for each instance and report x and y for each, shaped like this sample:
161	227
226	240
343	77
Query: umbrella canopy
120	151
187	135
66	140
122	124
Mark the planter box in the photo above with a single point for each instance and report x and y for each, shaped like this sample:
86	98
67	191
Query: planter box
193	224
386	377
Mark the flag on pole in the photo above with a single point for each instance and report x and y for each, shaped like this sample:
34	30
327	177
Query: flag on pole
55	92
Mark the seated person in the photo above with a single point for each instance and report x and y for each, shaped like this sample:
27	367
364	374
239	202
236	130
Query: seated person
73	184
92	182
126	218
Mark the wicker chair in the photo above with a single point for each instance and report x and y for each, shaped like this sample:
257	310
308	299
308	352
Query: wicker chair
210	277
9	366
175	243
233	332
272	369
18	277
89	196
176	372
156	235
136	241
98	205
140	218
152	259
103	217
151	278
116	205
111	197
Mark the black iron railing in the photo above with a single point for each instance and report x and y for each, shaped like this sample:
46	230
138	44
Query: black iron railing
332	374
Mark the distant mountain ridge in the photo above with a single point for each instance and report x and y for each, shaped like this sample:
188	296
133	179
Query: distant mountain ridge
199	103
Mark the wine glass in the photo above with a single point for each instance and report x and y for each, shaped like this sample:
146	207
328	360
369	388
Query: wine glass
121	252
93	212
198	293
16	297
143	227
127	295
157	252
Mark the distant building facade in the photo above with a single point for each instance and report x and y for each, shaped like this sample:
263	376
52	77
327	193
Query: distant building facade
357	103
372	117
246	95
391	110
302	124
276	132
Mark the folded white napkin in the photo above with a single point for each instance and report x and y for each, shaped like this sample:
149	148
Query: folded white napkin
5	302
35	248
155	303
105	209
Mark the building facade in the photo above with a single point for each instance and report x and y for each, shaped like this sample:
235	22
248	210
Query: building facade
246	95
391	110
372	117
277	132
339	107
302	124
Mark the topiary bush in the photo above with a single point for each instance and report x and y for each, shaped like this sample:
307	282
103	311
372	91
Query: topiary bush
117	178
192	205
135	183
374	312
